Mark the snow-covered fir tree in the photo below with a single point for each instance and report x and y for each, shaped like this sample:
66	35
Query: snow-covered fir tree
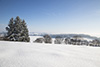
58	40
17	30
47	39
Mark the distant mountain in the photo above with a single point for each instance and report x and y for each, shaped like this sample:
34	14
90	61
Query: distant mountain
37	34
63	35
71	35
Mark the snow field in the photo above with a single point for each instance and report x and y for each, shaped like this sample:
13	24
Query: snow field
21	54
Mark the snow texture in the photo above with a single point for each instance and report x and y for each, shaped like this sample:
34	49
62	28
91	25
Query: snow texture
21	54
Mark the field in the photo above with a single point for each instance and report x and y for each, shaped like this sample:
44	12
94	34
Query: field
21	54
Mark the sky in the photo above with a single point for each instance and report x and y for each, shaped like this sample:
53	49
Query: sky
54	16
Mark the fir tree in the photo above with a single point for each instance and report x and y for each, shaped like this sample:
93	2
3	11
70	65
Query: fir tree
47	39
17	30
10	29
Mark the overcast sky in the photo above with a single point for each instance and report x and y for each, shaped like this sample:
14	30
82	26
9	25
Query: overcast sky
54	16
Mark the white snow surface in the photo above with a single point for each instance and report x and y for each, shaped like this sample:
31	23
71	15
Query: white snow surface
87	39
21	54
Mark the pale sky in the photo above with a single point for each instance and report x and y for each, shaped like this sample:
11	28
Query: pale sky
54	16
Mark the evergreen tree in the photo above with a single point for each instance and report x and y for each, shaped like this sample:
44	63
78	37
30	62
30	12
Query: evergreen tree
10	29
17	30
24	32
47	39
58	40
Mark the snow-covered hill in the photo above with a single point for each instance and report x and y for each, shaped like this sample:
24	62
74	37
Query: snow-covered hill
21	54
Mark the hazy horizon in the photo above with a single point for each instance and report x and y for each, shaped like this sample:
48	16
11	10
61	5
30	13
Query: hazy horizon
54	16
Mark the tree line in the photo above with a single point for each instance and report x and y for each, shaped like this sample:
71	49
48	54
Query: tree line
17	31
75	40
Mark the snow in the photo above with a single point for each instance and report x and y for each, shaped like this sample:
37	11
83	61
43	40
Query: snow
87	39
33	38
21	54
